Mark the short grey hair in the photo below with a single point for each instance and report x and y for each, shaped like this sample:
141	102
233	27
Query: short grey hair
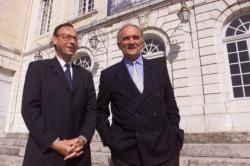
125	26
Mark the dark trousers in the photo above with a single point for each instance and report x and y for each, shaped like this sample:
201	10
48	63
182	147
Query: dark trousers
117	162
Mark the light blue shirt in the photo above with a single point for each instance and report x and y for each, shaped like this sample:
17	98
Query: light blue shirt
138	64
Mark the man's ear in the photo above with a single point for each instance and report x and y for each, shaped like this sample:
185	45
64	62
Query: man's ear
119	45
54	40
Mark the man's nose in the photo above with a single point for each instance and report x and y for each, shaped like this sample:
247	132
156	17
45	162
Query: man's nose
73	41
131	39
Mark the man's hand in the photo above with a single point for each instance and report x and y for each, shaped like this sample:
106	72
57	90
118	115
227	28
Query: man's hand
63	147
78	145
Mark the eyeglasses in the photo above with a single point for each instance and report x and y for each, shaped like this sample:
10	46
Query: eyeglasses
67	37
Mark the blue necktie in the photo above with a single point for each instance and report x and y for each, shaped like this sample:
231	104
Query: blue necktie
68	75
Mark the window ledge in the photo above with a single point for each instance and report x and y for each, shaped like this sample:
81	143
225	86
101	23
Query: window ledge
83	16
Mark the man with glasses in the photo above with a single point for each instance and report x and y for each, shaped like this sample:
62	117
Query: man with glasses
145	118
59	106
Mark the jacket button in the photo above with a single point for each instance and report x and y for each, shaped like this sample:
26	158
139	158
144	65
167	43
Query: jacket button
156	132
136	115
137	134
154	114
158	94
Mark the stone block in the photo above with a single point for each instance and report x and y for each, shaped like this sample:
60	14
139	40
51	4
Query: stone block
214	98
180	73
207	50
204	33
195	123
193	62
212	88
214	108
218	122
194	72
210	69
181	91
211	78
181	82
210	59
241	121
195	90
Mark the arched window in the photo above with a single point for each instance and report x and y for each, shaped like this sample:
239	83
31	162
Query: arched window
83	59
153	48
238	48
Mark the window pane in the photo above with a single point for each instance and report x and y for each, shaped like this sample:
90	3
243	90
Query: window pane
244	56
231	47
161	47
235	69
238	92
245	18
91	5
247	25
233	58
235	23
230	32
246	79
245	67
242	45
247	91
242	28
239	32
236	80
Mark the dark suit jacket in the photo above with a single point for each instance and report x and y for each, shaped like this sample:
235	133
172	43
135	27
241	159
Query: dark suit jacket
52	110
146	123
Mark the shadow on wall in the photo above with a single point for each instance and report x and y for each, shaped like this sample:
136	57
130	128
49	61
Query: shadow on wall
95	68
173	53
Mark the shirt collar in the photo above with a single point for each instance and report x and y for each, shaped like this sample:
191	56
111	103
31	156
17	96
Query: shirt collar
139	61
62	62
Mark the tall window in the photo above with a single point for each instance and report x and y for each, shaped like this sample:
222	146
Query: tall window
46	16
85	6
238	49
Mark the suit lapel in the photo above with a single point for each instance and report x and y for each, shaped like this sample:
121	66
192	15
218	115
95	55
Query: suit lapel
124	77
148	75
56	69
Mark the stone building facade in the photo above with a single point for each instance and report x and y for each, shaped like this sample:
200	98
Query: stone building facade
208	57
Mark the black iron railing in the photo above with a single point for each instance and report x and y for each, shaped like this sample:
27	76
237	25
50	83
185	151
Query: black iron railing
115	6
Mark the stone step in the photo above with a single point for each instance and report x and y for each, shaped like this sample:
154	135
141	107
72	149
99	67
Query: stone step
13	142
100	158
216	150
218	137
16	135
6	160
11	150
207	161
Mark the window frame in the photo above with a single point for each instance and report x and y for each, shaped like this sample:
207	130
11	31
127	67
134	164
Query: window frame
86	7
235	39
46	16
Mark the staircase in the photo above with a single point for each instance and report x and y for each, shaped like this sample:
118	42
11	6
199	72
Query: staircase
216	149
200	149
12	148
